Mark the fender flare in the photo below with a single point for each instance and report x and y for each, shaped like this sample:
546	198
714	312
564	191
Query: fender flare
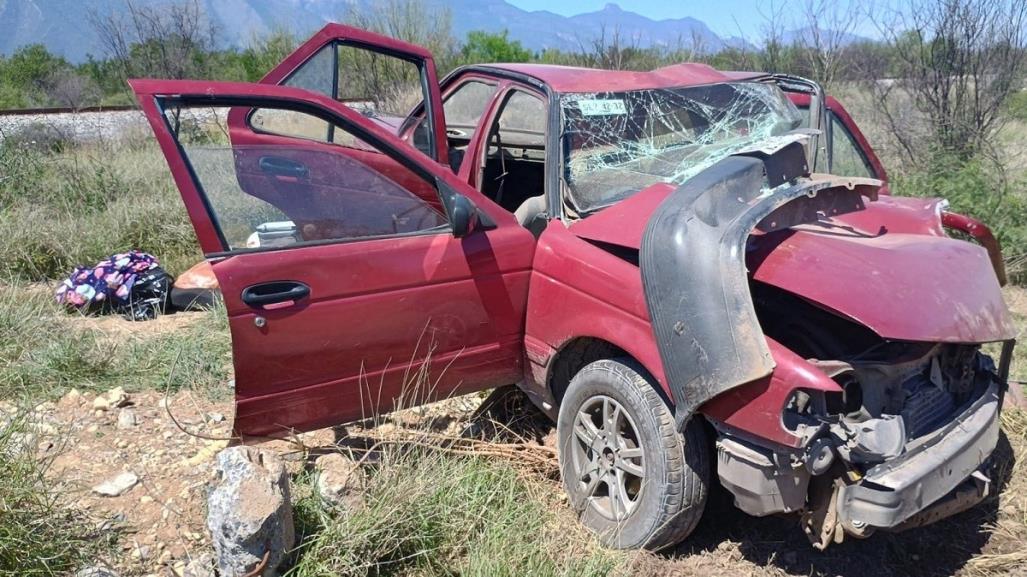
696	285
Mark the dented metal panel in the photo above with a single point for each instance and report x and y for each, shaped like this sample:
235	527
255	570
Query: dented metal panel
696	284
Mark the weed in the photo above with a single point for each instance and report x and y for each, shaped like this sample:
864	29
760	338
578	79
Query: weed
432	513
39	534
78	204
45	350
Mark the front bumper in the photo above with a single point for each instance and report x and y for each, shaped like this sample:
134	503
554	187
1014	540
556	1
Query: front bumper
893	492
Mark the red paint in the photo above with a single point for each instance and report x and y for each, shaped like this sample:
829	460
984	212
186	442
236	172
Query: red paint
483	304
575	79
757	406
983	235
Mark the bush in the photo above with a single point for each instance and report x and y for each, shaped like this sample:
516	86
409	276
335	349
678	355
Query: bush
78	204
39	534
433	513
979	189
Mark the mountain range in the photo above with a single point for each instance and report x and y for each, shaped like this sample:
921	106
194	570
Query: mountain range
63	26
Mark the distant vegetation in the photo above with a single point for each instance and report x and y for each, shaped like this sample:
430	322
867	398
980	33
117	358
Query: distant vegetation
939	92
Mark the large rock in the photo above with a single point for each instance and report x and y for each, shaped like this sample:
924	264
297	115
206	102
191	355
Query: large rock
249	511
339	481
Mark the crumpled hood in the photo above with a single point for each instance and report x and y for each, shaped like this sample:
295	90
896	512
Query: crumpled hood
902	284
889	267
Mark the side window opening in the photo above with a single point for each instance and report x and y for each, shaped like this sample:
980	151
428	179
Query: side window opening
380	86
846	156
513	167
463	108
295	193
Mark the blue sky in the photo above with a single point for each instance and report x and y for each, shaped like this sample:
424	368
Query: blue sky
725	17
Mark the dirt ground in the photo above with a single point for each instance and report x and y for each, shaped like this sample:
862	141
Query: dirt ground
162	516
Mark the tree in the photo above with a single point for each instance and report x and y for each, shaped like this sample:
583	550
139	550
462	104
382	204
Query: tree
482	46
955	63
25	76
162	41
825	37
411	21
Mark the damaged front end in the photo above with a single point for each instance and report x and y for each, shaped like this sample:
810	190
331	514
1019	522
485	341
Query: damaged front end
856	414
901	441
831	337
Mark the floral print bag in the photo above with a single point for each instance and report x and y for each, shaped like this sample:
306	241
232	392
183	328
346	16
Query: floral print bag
131	283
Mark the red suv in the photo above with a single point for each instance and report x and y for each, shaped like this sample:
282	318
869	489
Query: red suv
651	256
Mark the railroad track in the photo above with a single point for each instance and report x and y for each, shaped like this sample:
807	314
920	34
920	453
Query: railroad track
63	110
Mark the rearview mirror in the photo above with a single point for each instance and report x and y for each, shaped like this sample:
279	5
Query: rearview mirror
463	214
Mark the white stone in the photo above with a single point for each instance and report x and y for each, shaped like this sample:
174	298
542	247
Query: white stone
249	511
118	485
127	419
339	481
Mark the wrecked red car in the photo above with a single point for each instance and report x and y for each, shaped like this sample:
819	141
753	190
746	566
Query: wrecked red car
651	256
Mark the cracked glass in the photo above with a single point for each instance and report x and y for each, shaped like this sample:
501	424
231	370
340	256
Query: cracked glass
618	143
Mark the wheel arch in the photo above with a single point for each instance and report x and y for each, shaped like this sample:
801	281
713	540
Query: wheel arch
577	352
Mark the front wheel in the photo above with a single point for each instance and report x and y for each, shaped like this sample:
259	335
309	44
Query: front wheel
629	474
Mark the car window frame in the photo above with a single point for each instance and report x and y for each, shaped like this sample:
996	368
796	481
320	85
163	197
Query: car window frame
424	105
494	112
833	120
326	114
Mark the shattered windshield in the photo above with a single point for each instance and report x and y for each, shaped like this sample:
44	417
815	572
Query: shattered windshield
618	143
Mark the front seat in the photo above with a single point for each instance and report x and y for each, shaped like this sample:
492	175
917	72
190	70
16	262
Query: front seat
528	213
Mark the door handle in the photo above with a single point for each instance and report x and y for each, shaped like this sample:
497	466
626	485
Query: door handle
274	293
279	166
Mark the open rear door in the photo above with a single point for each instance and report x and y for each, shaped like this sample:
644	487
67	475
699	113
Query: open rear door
382	78
349	290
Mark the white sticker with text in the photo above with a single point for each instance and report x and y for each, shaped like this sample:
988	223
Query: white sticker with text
602	107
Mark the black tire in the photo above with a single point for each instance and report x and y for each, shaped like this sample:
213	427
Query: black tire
663	505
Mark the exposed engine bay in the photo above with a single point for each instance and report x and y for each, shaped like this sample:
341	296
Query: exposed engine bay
863	447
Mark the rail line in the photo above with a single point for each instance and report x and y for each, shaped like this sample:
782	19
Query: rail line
63	110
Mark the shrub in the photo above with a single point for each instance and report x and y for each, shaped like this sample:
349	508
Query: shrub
979	189
433	513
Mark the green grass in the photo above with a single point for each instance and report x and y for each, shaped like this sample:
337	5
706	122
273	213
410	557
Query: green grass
45	350
39	534
63	205
435	514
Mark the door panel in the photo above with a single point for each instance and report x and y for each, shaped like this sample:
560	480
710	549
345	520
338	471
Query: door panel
374	301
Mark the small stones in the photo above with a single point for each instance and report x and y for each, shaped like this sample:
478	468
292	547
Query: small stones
140	553
118	485
215	417
96	572
339	481
127	419
199	566
70	400
112	399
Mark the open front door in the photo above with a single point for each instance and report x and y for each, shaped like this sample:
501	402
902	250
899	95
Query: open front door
349	288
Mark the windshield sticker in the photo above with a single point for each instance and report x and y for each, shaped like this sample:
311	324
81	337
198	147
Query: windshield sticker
602	107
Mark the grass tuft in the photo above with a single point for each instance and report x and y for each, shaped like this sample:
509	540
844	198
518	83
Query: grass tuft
432	513
39	534
44	350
